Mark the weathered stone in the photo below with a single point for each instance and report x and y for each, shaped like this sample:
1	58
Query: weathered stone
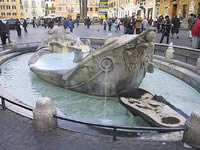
43	115
125	59
198	64
170	52
191	134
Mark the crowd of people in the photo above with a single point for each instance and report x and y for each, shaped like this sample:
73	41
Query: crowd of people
194	30
131	25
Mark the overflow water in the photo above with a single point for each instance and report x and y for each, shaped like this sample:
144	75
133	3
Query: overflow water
18	80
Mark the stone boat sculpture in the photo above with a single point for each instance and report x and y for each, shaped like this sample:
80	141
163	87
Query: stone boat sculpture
153	109
120	64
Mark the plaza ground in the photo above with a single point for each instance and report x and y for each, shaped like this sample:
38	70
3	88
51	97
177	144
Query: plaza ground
17	132
38	34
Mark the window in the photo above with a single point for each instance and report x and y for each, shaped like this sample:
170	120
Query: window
14	14
26	10
2	7
21	6
90	8
8	7
96	8
3	14
33	3
22	14
8	14
26	4
166	11
13	7
7	0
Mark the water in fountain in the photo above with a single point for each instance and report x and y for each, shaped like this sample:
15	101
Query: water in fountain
105	120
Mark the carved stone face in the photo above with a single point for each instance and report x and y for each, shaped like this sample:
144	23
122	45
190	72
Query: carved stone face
150	36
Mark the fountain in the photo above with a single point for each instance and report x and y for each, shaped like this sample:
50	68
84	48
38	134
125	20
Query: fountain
126	58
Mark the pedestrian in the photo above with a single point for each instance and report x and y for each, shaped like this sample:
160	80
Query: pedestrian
33	22
144	24
196	34
110	24
3	32
104	23
166	26
25	26
77	21
66	23
138	24
88	22
125	23
71	25
45	23
131	25
8	32
176	25
150	21
159	23
51	24
190	24
194	20
18	27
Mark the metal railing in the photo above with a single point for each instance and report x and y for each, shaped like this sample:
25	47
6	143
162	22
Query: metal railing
114	128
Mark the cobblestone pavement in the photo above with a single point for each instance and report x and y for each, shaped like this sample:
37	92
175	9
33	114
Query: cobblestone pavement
38	34
17	133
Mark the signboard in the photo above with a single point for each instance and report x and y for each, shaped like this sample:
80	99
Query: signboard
103	3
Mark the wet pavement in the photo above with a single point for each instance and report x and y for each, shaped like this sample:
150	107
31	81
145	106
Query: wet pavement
17	132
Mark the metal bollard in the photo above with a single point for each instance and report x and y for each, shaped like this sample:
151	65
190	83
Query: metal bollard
114	134
3	103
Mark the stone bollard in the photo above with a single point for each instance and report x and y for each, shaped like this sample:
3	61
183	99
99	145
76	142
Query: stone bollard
198	64
170	51
191	134
43	119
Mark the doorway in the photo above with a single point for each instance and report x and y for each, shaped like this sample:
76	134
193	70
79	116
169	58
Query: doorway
174	10
184	11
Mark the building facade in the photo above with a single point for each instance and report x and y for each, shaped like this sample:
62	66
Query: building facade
50	7
181	8
72	8
11	9
120	8
34	8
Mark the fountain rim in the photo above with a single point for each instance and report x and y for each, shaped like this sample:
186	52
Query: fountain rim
22	112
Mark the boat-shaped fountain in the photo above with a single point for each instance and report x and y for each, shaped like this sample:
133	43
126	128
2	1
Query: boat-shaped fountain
126	60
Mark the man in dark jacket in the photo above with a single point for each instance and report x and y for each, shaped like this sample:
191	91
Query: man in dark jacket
18	27
3	32
166	26
176	25
88	22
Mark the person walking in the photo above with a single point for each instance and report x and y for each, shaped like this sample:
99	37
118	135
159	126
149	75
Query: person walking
18	27
176	25
138	24
110	24
77	22
3	32
190	24
144	24
196	34
8	32
159	23
166	26
125	23
66	23
25	26
33	22
71	25
131	25
104	23
88	22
